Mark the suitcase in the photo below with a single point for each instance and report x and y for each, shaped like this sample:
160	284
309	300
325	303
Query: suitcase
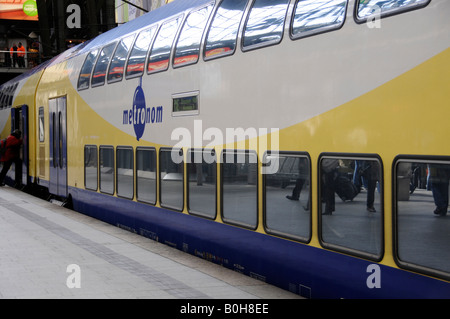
345	188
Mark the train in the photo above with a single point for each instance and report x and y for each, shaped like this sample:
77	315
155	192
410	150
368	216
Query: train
299	142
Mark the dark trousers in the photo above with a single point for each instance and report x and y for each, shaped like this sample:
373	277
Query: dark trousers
440	193
6	167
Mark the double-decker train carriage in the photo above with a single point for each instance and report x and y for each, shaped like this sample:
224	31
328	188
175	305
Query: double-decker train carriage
301	142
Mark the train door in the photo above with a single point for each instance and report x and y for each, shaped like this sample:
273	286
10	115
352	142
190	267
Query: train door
58	146
20	121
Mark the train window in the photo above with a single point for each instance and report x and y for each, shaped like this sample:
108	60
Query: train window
367	9
41	124
146	175
115	72
185	103
311	17
86	70
160	53
240	188
422	227
222	34
136	61
90	167
287	196
351	205
201	167
107	169
265	23
171	178
99	74
188	46
125	172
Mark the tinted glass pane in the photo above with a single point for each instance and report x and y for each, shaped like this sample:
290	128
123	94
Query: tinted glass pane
287	196
160	53
369	7
239	188
171	179
118	62
90	167
138	54
107	170
423	224
98	77
188	46
202	183
315	16
85	74
125	172
222	34
146	175
351	210
265	22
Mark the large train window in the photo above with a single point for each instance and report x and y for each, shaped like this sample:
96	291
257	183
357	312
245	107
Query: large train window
312	16
201	167
422	224
188	46
136	61
287	196
115	72
222	34
90	167
125	172
171	170
160	52
86	70
240	188
146	175
99	74
351	204
265	23
368	9
107	169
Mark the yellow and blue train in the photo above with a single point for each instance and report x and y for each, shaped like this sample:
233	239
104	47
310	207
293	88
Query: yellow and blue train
301	142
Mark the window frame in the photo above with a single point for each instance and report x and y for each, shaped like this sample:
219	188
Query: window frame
156	167
124	148
388	13
85	180
242	29
102	83
169	206
226	220
337	247
395	224
115	80
283	234
94	62
153	29
321	30
109	147
192	94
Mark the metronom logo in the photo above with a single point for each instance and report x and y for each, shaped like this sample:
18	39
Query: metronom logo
237	138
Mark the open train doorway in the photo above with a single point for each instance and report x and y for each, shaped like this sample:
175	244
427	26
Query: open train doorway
20	121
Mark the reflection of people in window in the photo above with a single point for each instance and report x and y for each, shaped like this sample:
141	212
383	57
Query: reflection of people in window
329	170
369	171
439	179
303	175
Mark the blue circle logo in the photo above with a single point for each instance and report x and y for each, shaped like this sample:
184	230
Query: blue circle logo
139	109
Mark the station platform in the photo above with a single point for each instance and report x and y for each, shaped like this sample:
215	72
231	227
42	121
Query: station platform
51	252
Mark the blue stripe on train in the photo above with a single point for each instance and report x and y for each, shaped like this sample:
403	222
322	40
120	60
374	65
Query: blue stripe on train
305	270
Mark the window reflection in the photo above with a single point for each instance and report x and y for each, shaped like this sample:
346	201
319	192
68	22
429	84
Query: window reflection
317	15
188	46
125	172
368	7
265	22
423	227
222	34
351	204
90	167
239	187
202	183
171	179
98	77
287	194
138	54
85	74
146	175
160	53
117	64
107	169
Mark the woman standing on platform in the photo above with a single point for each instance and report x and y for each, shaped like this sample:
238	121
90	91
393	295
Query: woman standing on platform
10	153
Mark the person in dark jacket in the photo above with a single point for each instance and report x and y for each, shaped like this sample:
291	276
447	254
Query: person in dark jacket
11	154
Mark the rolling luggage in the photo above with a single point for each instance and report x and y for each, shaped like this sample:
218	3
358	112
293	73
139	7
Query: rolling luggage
345	188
